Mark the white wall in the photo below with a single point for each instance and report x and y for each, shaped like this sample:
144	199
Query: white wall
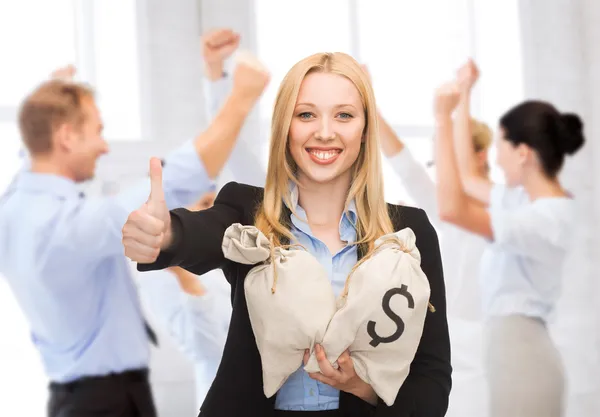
560	39
590	21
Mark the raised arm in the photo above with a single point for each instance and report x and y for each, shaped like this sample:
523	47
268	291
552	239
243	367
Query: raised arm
217	47
415	179
249	81
414	176
191	170
454	204
474	184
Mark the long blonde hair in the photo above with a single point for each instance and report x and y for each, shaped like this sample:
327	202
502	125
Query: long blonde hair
367	179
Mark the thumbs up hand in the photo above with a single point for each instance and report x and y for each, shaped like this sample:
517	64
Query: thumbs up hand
148	229
157	206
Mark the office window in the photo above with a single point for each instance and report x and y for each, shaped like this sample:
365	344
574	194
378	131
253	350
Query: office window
36	36
116	67
411	47
289	31
98	36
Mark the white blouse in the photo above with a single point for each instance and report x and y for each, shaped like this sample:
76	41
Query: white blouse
522	268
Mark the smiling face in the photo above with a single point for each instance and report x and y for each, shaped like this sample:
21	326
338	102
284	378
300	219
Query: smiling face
61	125
326	131
77	147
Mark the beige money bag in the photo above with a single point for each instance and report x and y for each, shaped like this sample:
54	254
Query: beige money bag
290	301
381	315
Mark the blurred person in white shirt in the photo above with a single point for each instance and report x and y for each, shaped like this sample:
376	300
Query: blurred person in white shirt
461	255
529	224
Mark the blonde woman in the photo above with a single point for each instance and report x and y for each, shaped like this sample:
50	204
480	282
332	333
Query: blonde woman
324	190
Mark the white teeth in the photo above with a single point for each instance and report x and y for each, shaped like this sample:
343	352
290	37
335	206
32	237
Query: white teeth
324	155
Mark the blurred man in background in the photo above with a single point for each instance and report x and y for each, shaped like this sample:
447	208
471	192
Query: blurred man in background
62	254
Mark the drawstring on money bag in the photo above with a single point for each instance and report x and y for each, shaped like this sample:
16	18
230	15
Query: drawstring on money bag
391	240
272	259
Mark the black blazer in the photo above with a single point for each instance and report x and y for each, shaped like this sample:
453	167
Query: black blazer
237	390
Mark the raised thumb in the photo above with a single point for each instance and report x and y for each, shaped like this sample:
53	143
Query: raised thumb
157	195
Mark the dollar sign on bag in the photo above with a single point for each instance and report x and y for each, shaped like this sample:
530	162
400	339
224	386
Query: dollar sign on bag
385	304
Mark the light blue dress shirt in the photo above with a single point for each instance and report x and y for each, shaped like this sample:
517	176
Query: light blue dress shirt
63	259
300	392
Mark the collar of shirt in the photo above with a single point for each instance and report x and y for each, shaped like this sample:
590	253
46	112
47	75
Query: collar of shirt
47	183
299	220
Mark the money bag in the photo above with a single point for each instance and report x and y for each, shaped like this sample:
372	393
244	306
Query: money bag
381	315
290	301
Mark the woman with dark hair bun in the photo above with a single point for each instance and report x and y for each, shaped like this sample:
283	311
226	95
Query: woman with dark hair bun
542	128
529	223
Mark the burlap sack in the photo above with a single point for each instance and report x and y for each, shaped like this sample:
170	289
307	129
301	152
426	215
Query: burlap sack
290	301
381	315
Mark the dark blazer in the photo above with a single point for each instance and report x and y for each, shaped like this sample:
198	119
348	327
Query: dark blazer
237	390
